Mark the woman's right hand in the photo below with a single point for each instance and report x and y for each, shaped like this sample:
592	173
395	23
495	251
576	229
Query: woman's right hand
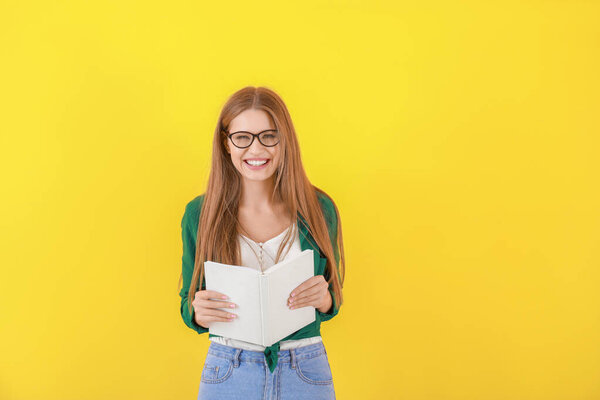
205	309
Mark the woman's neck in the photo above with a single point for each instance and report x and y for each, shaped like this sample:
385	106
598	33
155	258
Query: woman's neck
256	196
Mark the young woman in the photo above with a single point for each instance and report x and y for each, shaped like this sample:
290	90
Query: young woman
259	209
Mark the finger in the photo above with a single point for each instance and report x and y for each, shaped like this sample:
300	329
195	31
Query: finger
308	292
211	294
211	318
304	285
309	301
216	313
204	305
216	304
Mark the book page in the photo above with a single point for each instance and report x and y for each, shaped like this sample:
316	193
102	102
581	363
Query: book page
282	279
242	286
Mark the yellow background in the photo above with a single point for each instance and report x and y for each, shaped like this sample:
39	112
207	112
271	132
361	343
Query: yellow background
458	139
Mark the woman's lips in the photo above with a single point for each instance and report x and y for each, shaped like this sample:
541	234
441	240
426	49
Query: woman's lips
257	167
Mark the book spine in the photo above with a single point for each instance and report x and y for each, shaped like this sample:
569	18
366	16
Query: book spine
264	301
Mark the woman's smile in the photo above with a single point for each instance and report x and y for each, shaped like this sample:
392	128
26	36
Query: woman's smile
256	163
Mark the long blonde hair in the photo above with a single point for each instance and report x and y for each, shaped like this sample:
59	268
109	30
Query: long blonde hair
218	225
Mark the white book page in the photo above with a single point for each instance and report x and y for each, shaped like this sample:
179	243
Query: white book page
283	278
242	286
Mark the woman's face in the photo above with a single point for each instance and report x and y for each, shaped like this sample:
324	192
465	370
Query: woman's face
254	121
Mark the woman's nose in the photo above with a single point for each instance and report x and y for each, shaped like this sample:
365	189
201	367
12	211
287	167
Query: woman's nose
256	145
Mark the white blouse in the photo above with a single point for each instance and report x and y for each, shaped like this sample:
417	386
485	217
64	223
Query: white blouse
252	254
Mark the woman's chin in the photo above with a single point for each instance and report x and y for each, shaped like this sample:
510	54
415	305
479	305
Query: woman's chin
257	177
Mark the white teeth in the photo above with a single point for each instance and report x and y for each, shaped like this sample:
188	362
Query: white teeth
255	163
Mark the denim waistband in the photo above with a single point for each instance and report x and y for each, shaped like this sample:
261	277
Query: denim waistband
233	353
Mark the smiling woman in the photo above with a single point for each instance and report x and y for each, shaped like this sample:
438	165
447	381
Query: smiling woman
259	209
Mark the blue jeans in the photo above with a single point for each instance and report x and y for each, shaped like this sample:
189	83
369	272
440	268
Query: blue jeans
232	373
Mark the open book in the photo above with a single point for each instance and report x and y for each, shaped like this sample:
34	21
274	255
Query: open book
263	316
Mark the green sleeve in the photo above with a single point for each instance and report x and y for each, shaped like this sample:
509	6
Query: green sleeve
334	308
331	218
189	225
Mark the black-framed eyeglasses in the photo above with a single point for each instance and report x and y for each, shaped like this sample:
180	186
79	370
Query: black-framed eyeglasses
243	139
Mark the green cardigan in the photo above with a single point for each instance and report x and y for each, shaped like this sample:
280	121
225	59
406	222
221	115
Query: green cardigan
189	229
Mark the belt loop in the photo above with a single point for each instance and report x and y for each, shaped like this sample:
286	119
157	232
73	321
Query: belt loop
236	358
293	358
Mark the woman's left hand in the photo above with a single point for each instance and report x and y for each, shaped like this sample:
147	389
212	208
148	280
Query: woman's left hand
312	292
